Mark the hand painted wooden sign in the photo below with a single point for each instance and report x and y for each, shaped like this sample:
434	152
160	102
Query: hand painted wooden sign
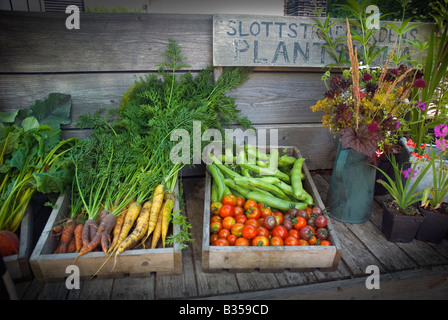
286	41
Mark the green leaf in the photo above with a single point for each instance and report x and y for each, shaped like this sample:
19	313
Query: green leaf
53	181
8	117
30	123
53	110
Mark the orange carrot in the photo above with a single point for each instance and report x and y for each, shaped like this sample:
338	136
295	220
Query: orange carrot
78	237
66	236
71	246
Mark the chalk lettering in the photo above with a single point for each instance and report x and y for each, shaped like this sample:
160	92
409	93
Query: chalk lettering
281	50
267	24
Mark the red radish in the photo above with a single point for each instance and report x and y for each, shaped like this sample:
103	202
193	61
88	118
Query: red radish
9	243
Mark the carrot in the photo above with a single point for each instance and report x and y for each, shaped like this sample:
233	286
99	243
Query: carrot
71	246
131	215
166	218
106	225
66	236
157	230
157	202
139	230
78	236
88	224
117	229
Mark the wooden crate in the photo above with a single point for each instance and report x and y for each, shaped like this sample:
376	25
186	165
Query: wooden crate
137	262
269	259
18	265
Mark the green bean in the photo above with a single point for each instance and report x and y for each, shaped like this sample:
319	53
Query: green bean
296	182
259	183
276	202
223	168
234	186
214	194
218	177
285	161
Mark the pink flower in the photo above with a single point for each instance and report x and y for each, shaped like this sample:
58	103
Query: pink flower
398	125
441	144
407	173
378	153
441	130
421	105
419	83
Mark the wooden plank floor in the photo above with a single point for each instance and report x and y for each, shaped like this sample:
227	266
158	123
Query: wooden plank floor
416	270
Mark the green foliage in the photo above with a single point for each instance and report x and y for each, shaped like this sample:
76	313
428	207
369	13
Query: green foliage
33	158
404	195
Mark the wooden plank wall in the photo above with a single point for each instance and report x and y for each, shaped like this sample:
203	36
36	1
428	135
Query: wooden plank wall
97	63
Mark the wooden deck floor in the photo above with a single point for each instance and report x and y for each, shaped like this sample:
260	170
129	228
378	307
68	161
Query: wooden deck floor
416	270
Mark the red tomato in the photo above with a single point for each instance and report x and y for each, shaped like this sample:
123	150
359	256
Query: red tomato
216	218
303	242
253	222
280	231
221	242
223	233
264	210
325	243
249	231
240	201
249	203
300	222
240	218
241	242
214	207
238	210
262	231
226	211
306	233
253	212
229	199
291	241
277	241
228	222
294	233
322	233
215	226
321	221
213	238
260	241
279	217
237	229
232	239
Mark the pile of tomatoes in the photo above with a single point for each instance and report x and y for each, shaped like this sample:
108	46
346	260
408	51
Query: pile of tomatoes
236	222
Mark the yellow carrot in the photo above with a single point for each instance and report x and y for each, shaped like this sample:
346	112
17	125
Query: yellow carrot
117	229
167	209
131	215
139	230
157	230
157	202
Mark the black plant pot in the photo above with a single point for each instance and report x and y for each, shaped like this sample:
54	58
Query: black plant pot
434	228
400	228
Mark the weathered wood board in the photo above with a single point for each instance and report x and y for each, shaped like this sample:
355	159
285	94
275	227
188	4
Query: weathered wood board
246	259
287	41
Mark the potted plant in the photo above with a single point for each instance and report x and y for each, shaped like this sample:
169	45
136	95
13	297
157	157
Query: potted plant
401	217
366	107
433	204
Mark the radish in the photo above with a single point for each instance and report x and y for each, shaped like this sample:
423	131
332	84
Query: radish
9	243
